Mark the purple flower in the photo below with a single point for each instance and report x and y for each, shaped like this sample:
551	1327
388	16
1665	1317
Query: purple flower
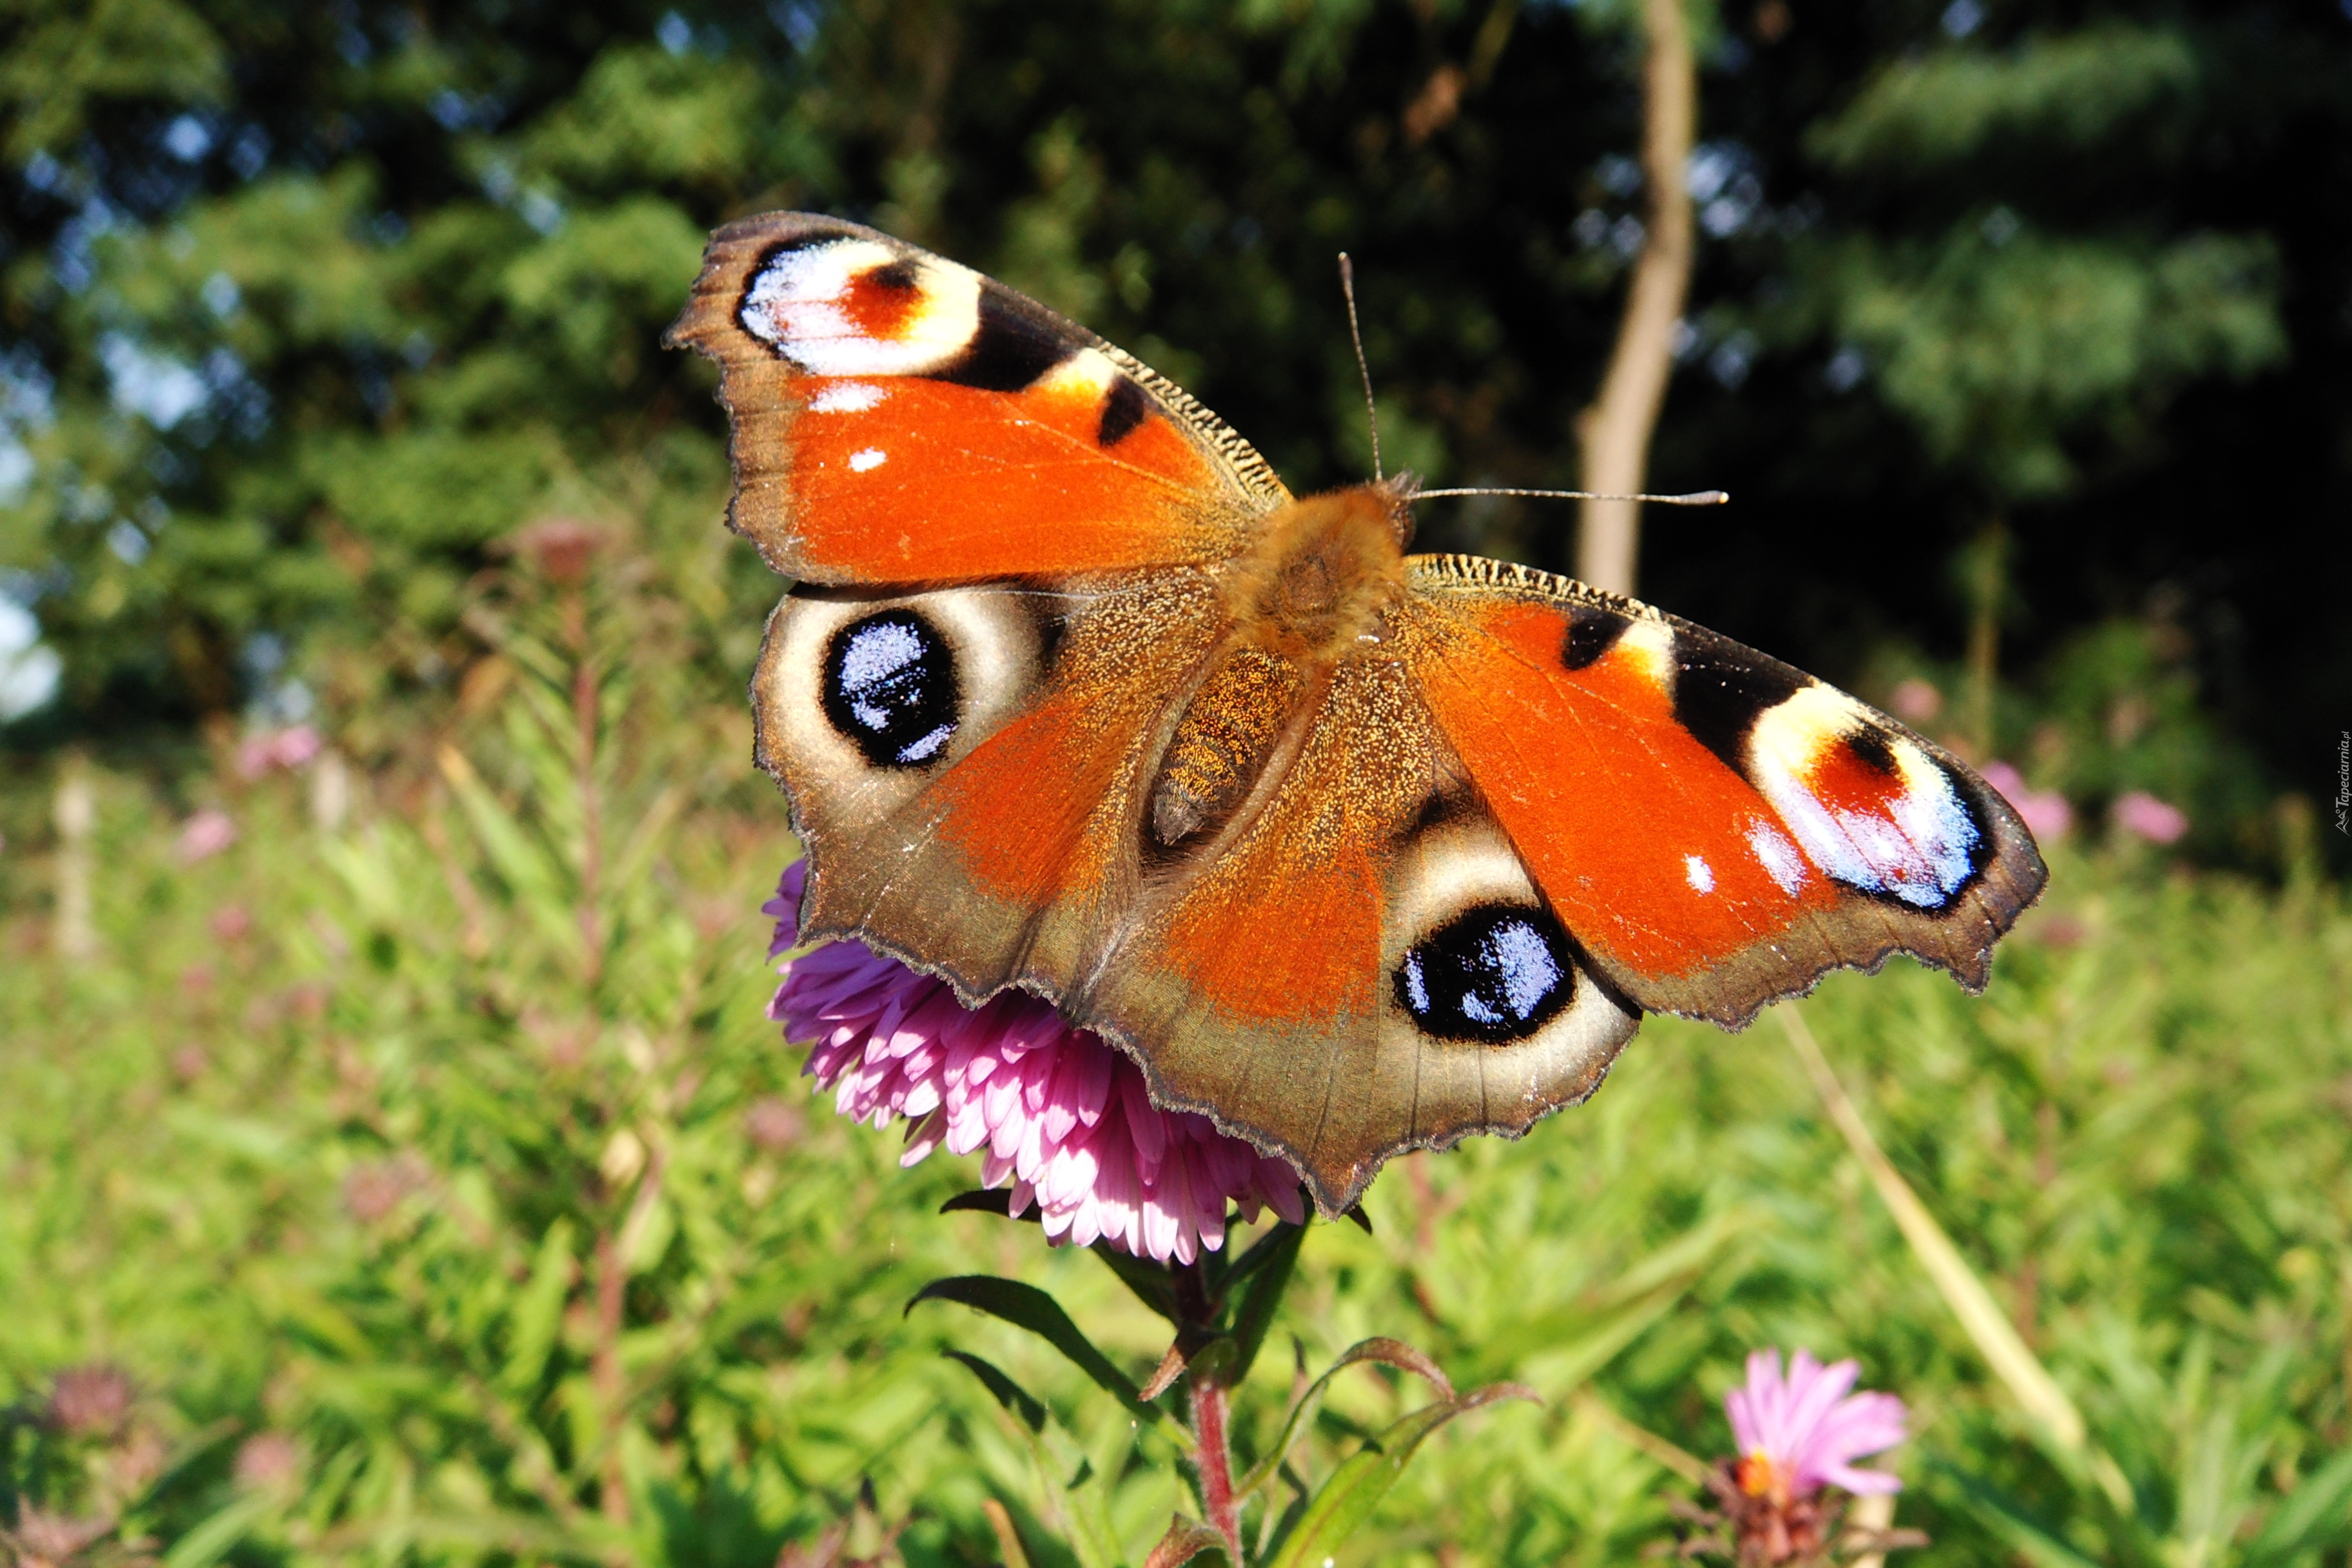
205	834
1796	1435
1915	701
1056	1114
2044	811
2143	815
289	748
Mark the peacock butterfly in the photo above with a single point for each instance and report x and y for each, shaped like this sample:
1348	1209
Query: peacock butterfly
1354	850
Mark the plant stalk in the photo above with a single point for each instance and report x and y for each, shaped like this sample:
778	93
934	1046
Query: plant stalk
76	815
1996	1337
1216	1462
1987	581
585	703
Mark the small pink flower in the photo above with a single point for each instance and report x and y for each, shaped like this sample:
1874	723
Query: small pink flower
289	748
2044	811
1796	1435
2143	815
1915	701
1054	1112
204	834
267	1461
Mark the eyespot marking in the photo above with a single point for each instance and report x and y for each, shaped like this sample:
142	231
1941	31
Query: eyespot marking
1871	808
890	689
846	306
1493	974
893	276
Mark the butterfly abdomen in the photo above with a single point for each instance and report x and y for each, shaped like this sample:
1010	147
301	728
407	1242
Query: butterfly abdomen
1222	744
1306	595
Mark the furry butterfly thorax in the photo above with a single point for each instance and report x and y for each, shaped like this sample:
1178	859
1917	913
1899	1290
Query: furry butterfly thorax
1354	850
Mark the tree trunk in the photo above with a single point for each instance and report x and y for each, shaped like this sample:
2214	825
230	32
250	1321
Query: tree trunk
1615	431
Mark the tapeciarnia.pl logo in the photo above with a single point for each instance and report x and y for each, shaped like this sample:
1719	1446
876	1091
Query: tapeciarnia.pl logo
2344	782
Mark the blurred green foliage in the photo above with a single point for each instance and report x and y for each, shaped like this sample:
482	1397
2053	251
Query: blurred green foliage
308	307
437	1189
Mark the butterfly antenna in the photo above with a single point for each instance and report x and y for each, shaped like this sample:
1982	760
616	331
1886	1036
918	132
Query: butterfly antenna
1356	336
1696	498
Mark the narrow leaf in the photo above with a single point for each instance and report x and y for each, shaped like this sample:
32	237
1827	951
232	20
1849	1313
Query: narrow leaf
2318	1513
1346	1500
217	1536
1386	1352
991	1199
1171	1367
1026	1307
1263	1252
1149	1282
538	1310
1021	1405
1261	1276
1996	1337
2027	1536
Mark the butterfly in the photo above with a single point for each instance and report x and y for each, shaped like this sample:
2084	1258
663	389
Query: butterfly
1352	850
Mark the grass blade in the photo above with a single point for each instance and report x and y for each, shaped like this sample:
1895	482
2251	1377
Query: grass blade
2316	1514
2028	1380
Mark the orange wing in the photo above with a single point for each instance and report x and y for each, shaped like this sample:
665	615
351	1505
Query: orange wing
1716	829
1363	966
898	418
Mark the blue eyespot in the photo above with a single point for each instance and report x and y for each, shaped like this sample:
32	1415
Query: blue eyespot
1492	974
890	689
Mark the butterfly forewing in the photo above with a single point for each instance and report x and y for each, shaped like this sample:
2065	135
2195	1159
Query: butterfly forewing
899	419
1716	828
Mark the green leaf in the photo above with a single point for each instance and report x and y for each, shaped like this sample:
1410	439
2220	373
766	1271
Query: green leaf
1149	1282
2027	1536
214	1539
1026	1307
2316	1514
991	1199
1017	1401
1382	1350
1262	1275
539	1310
1345	1503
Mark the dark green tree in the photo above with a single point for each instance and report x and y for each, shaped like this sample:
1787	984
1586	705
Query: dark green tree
307	307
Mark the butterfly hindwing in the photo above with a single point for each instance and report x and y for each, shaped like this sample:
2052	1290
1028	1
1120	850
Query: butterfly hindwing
1717	829
1357	964
899	419
1362	965
965	764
